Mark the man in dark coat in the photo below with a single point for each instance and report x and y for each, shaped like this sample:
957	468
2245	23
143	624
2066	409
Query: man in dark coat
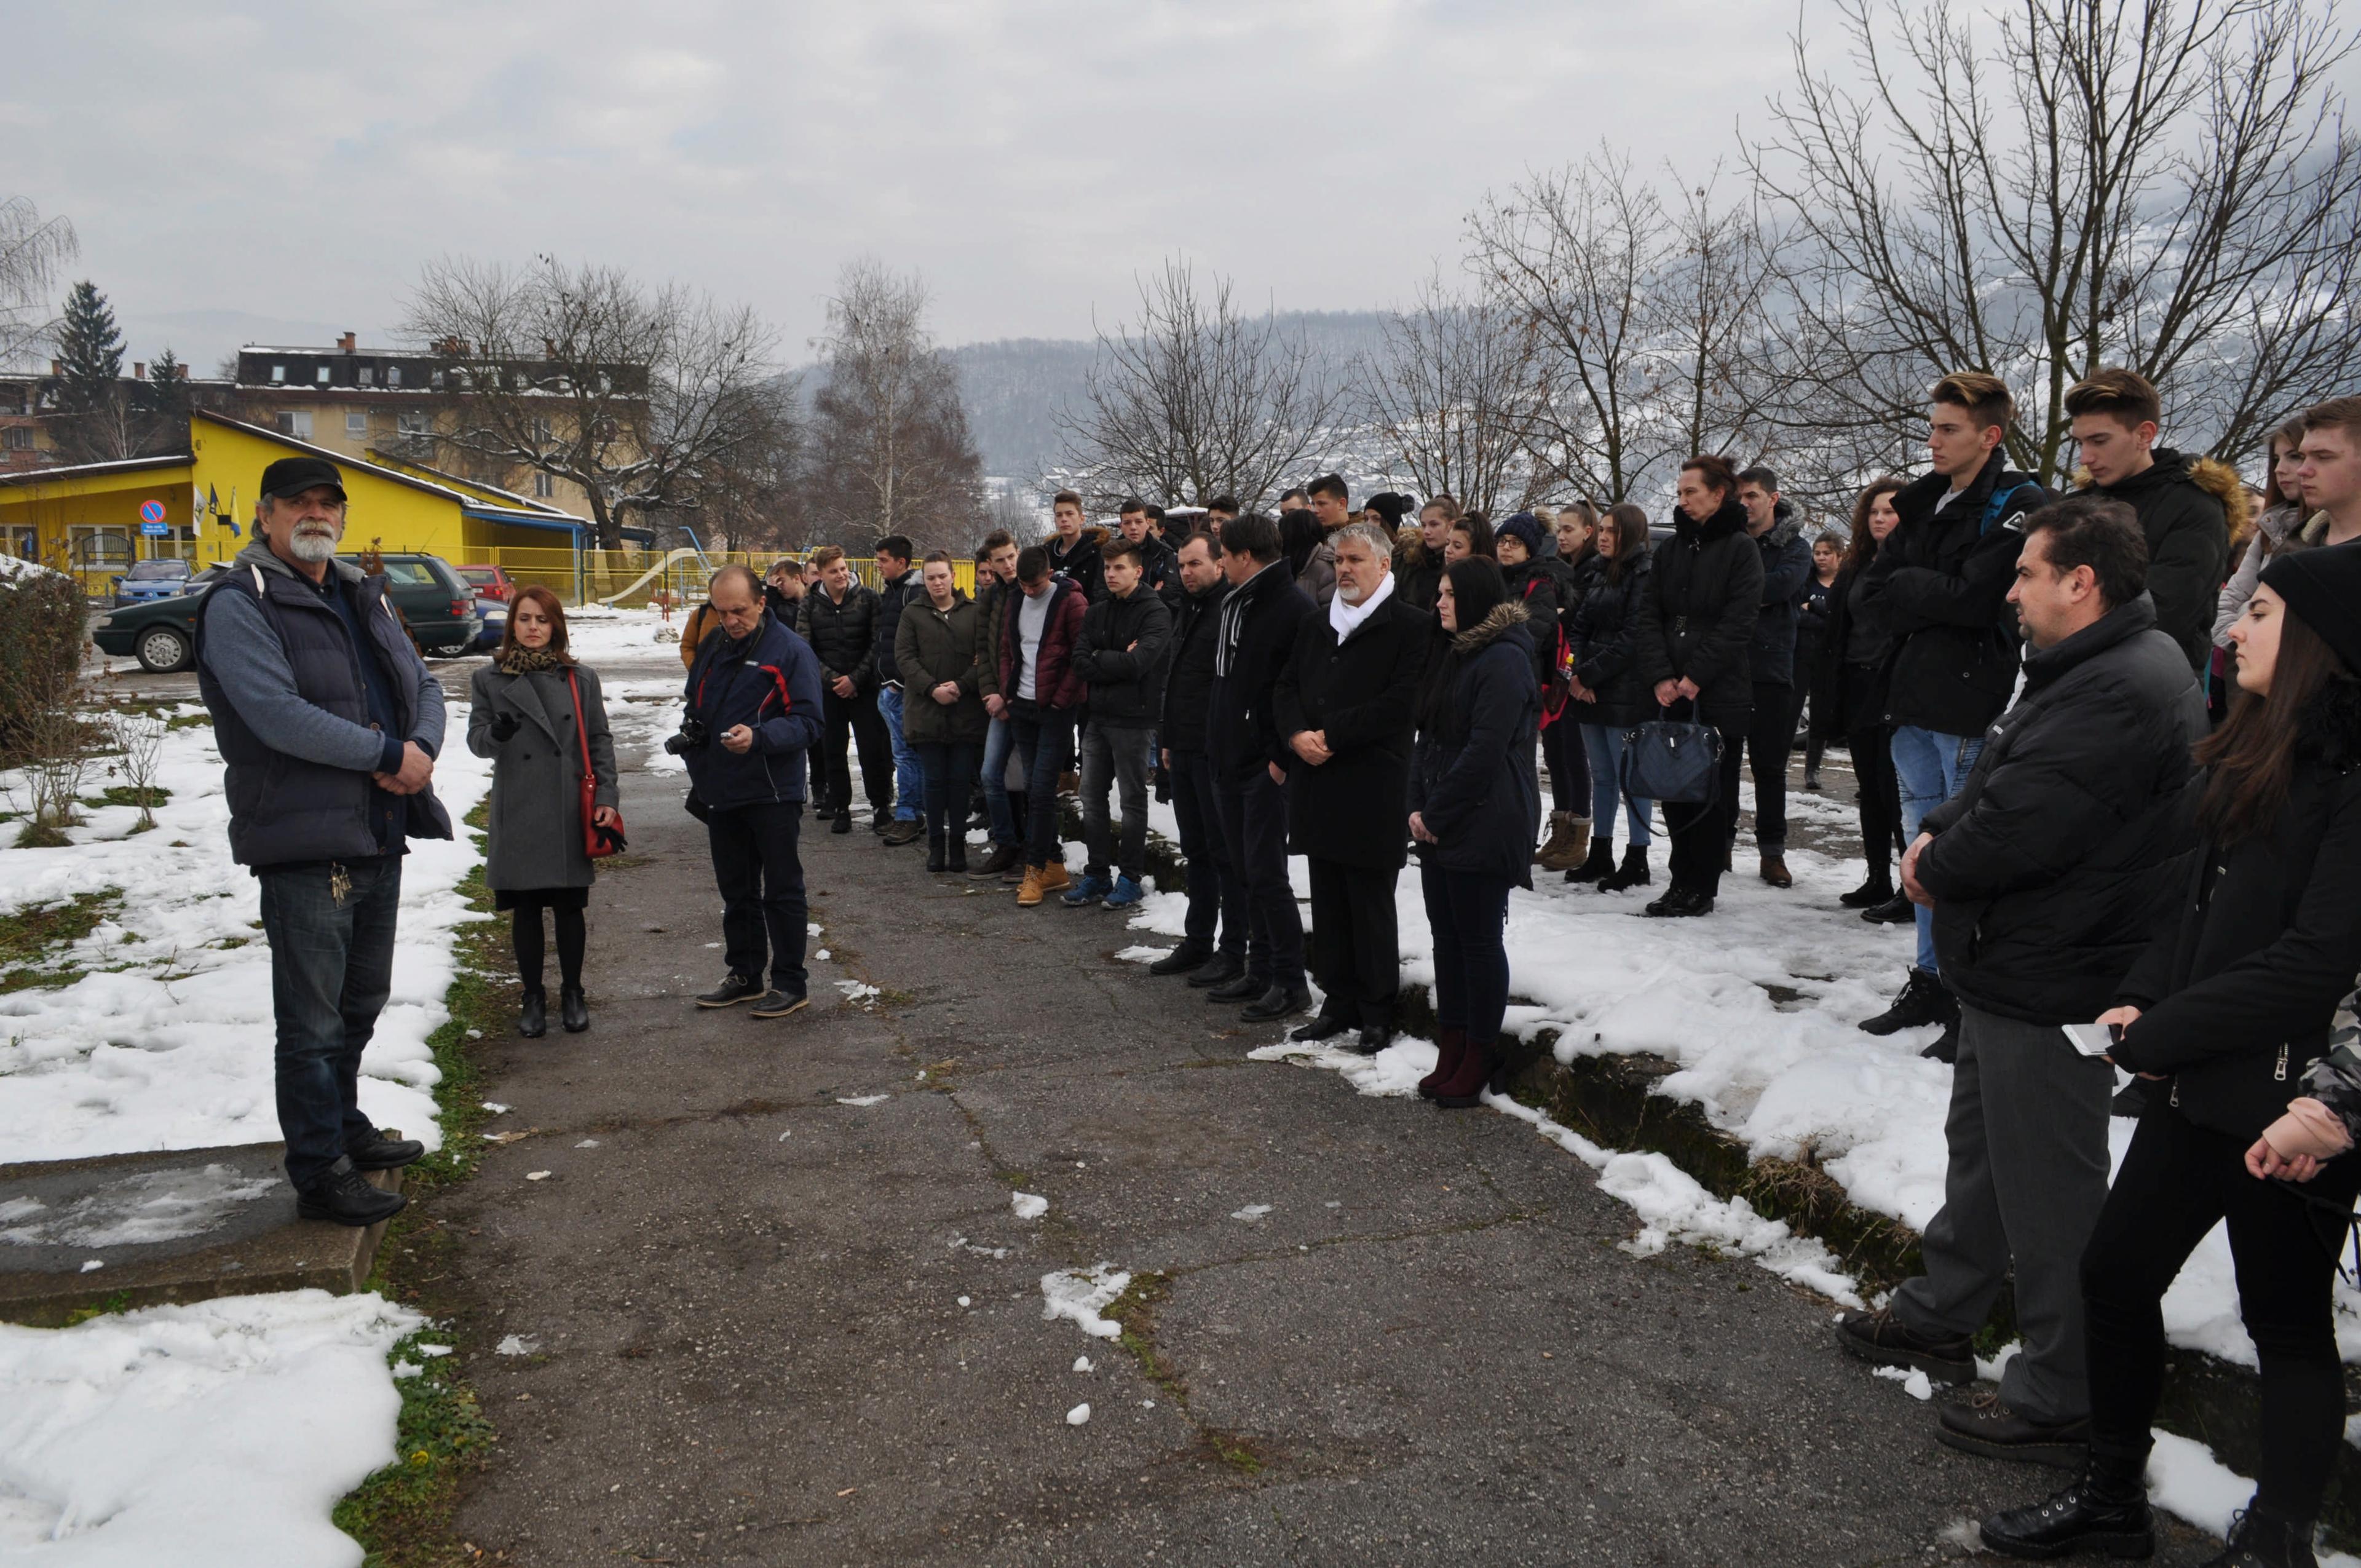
1689	642
1941	581
1074	548
2046	873
1159	565
2186	526
897	586
1255	639
329	725
841	623
1120	656
1778	533
1216	897
1348	702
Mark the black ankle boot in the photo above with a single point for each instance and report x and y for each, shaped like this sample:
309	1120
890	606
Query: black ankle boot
2080	1518
1601	863
955	853
1877	890
1633	873
573	1010
938	858
2258	1539
533	1016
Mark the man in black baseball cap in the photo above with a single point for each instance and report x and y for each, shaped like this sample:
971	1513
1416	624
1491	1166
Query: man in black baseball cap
328	725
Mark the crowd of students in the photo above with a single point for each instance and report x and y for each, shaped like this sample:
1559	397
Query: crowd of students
2106	749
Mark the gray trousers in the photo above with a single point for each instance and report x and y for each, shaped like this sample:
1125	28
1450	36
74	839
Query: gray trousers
2027	1135
1118	756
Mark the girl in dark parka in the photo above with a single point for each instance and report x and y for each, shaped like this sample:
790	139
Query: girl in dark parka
2232	1006
1475	807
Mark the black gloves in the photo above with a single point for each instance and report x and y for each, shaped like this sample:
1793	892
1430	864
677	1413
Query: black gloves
504	726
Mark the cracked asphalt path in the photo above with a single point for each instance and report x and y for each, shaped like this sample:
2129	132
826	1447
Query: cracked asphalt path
742	1296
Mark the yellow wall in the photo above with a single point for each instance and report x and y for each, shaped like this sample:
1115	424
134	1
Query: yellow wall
378	509
65	512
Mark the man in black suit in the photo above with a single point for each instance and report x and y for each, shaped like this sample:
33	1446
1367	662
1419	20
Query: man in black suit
1345	701
1255	637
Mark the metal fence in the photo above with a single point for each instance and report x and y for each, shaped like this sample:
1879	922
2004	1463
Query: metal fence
639	578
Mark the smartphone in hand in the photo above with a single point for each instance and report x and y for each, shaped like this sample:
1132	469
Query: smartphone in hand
2094	1039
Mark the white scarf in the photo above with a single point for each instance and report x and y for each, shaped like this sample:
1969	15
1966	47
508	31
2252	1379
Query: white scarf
1347	618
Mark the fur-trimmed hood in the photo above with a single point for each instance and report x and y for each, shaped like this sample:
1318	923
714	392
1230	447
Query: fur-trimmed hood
1505	614
1731	518
2212	475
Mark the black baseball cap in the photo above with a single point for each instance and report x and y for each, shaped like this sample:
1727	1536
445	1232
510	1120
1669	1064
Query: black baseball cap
293	476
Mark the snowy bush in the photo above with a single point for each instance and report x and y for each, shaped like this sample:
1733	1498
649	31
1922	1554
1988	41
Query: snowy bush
41	638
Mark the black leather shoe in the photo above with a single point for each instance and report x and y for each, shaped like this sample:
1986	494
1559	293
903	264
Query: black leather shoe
1922	999
1946	1048
1877	890
733	990
1279	1002
384	1150
1883	1339
2073	1521
1681	904
779	1004
1327	1026
1220	970
843	823
1245	988
1984	1425
1895	911
533	1015
342	1197
1182	960
572	1010
1373	1037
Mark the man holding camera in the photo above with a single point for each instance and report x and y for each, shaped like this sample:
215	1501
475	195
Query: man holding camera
753	714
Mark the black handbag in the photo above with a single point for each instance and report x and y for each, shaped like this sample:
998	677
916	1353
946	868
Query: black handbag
1671	761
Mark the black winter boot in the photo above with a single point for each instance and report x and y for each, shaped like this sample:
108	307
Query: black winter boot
1633	873
2258	1539
955	853
2080	1518
938	857
1878	889
1922	999
533	1015
1601	863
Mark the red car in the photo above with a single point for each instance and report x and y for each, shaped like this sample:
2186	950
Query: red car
490	582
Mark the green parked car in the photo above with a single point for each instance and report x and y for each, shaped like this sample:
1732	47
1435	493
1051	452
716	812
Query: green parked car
435	602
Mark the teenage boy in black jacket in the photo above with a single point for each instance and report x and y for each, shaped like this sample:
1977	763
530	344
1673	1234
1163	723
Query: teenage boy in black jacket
1942	579
1778	533
898	585
841	623
1160	566
2045	874
1216	897
1120	656
2186	524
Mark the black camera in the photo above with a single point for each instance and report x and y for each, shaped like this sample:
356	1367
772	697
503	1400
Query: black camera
692	736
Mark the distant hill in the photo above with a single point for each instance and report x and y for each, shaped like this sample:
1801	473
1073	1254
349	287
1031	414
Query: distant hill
1016	386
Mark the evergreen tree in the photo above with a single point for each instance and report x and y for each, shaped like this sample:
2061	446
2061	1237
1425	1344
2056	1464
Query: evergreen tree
166	394
90	349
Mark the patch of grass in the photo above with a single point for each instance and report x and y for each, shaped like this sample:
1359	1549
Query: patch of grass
399	1514
119	1302
1135	1311
39	835
29	939
128	795
200	720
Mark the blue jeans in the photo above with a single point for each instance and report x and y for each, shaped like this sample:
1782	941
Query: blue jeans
909	780
1468	911
1604	745
998	741
331	970
1928	767
1043	736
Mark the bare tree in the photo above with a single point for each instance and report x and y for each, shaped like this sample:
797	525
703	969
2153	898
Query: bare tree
892	453
1451	393
1647	320
1197	399
2160	184
31	249
582	373
748	496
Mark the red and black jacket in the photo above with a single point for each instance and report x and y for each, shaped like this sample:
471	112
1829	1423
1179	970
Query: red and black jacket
769	682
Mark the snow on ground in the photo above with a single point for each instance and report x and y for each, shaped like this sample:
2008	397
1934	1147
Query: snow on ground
220	1434
166	1042
1759	1004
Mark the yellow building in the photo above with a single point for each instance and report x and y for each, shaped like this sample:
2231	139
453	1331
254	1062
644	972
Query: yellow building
95	519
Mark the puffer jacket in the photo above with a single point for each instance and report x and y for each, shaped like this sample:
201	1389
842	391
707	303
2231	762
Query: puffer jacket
2183	502
1189	682
1471	776
932	646
1603	624
2050	867
1418	572
1787	568
1942	578
2239	989
908	588
1698	615
1056	684
1080	563
1120	655
1535	586
770	683
844	636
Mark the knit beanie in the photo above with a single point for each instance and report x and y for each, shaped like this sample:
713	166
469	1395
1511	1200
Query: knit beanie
1524	527
2323	586
1391	505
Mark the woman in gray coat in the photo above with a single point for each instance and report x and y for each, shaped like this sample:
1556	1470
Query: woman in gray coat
521	714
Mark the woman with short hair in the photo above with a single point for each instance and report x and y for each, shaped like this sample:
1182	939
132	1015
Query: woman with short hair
538	715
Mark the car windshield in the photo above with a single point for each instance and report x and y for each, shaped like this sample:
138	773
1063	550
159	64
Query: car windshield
482	576
148	570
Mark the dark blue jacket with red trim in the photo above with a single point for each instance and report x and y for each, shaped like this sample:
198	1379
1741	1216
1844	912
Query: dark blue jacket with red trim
769	682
